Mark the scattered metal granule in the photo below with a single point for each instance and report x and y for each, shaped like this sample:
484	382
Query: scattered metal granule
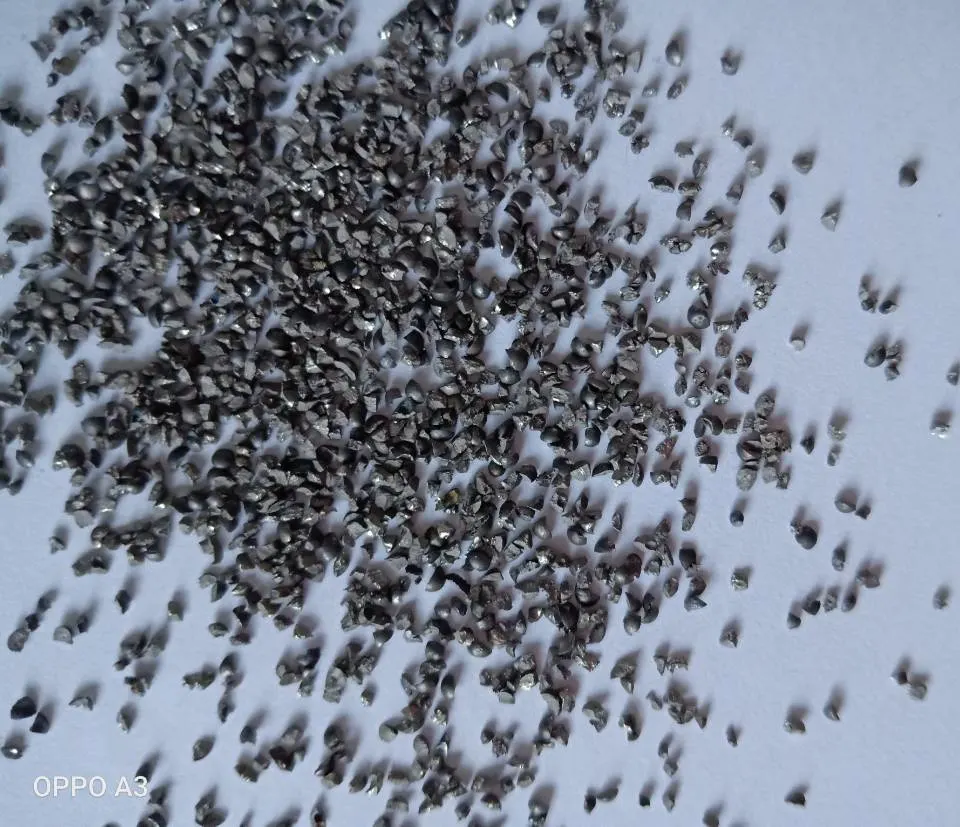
907	176
730	62
941	598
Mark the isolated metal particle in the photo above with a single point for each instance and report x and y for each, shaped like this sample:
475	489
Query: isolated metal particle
41	724
669	797
548	15
693	603
596	714
676	88
733	735
794	724
123	600
609	792
735	191
845	502
849	601
797	797
830	217
940	425
900	674
13	747
730	636
730	62
388	731
126	717
662	183
754	167
698	315
589	801
803	161
875	356
615	103
674	51
888	305
740	579
778	201
63	634
907	176
25	707
831	708
941	598
917	688
202	747
631	724
805	535
953	374
83	700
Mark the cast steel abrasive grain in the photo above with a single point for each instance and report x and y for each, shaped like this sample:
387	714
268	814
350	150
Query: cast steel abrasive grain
324	266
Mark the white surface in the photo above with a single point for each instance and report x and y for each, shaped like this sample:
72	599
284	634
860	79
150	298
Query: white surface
869	85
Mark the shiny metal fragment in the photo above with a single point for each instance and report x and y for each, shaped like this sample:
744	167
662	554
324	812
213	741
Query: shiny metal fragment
917	689
13	748
83	702
733	735
662	183
41	724
63	634
797	797
907	176
17	639
126	717
202	747
941	598
803	162
793	723
845	502
940	426
831	217
730	62
25	707
674	51
730	636
669	797
676	88
596	714
805	535
778	201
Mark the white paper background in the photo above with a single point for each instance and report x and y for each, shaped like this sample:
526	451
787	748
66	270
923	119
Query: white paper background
868	85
